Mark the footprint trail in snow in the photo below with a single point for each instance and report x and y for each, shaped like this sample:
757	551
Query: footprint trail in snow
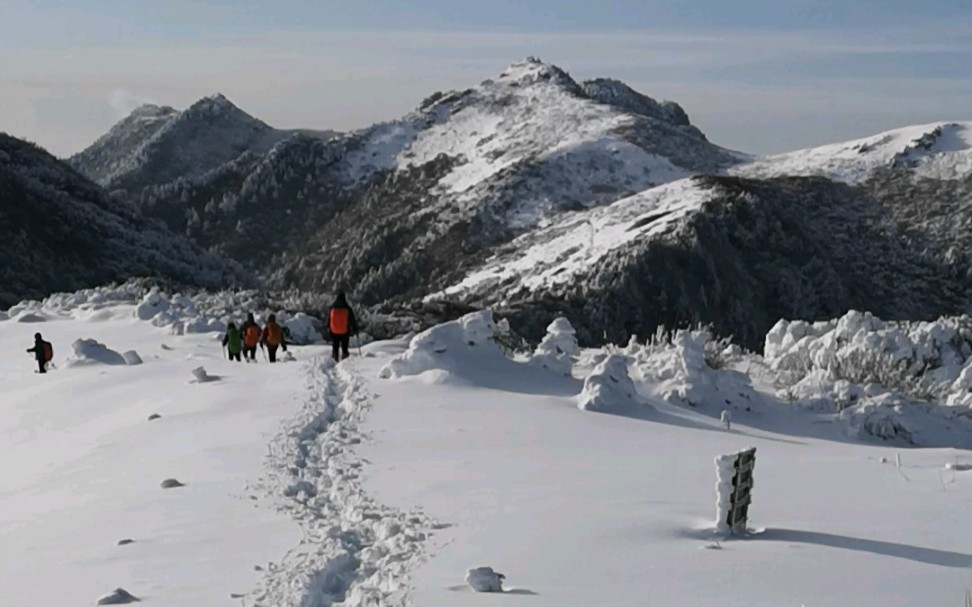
354	551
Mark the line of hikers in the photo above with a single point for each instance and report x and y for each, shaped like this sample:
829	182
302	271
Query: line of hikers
341	324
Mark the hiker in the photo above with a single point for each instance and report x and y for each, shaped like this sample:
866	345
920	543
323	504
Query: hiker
233	342
341	324
273	338
43	352
251	337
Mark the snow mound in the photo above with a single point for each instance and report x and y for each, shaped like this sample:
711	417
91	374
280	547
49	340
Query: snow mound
30	317
609	389
484	579
301	328
444	346
558	349
941	150
92	352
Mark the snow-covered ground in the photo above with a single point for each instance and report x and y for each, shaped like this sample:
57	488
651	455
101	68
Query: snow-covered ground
385	479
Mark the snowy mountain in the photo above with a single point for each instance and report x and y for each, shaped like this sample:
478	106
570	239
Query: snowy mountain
59	231
155	145
734	253
941	150
470	170
539	193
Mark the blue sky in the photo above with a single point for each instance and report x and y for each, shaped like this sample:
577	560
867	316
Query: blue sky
755	75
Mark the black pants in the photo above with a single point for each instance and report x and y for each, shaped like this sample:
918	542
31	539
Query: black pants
249	352
272	353
234	356
41	366
340	343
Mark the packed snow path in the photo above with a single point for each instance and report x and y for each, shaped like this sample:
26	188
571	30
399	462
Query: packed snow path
354	551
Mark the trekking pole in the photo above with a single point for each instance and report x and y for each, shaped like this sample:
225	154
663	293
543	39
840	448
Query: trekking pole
357	338
263	350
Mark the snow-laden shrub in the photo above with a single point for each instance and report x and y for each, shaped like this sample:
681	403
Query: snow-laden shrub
443	346
895	418
675	365
90	351
609	389
153	304
920	359
960	392
558	349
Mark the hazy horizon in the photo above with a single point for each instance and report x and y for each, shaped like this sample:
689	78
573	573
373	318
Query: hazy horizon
755	77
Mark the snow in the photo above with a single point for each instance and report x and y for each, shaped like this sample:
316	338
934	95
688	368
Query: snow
569	246
318	483
940	150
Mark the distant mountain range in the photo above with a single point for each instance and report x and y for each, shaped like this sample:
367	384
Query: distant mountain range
539	194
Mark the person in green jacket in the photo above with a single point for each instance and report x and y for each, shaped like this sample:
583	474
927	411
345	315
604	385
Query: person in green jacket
233	342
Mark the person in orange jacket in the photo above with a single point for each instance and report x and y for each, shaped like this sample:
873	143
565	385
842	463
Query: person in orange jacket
341	324
251	338
273	338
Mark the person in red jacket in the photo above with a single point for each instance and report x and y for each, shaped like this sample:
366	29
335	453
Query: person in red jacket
341	323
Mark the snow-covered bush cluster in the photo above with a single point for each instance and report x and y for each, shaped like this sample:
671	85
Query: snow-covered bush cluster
692	368
922	360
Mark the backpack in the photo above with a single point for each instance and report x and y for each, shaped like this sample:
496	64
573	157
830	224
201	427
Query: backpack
252	336
339	321
273	334
48	352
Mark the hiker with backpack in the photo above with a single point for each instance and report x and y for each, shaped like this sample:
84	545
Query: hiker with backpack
273	338
341	324
43	352
233	342
251	337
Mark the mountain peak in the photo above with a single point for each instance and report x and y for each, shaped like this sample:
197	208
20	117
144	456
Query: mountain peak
618	94
214	104
533	70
